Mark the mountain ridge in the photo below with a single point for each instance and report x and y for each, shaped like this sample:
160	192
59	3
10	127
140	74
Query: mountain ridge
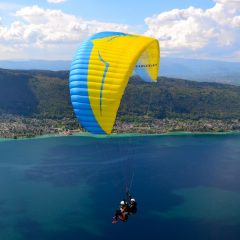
192	69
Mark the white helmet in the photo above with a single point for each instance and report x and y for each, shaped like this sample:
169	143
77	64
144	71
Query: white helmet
122	202
133	200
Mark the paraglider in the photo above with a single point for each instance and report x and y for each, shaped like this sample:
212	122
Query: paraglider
100	72
127	207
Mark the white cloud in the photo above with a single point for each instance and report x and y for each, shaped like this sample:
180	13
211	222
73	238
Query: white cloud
49	34
192	32
195	32
56	1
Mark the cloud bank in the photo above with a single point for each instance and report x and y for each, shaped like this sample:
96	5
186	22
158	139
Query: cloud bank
45	33
39	33
194	32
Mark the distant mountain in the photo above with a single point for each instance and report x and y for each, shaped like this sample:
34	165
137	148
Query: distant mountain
196	70
36	65
201	70
45	94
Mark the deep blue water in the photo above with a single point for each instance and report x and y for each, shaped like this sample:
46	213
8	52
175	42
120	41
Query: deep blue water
60	188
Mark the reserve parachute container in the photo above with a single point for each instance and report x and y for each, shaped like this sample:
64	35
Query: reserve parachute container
100	72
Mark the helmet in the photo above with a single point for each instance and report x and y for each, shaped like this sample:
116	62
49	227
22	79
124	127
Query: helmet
133	200
122	202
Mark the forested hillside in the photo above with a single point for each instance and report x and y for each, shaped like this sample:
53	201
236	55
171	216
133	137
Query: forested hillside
45	94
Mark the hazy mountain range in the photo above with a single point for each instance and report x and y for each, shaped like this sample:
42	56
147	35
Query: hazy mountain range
201	70
196	70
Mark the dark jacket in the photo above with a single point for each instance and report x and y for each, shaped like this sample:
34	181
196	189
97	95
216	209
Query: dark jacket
132	208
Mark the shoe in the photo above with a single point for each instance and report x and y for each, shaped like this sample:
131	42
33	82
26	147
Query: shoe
114	221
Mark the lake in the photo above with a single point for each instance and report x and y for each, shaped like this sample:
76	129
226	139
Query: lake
60	188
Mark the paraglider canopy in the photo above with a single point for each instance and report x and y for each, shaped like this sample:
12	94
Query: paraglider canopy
100	71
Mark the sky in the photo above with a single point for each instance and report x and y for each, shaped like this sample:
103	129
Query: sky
54	29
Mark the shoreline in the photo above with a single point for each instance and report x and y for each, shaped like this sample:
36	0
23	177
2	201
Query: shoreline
122	135
19	127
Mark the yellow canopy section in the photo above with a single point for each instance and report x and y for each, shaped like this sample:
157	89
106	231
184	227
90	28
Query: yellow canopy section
110	59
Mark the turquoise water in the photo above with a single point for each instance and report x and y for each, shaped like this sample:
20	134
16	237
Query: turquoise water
187	187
